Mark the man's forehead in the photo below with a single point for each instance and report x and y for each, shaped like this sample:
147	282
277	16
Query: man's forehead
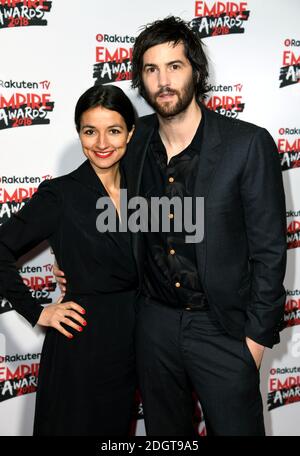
161	51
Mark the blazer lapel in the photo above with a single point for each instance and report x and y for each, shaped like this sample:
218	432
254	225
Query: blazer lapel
210	154
134	165
136	154
88	177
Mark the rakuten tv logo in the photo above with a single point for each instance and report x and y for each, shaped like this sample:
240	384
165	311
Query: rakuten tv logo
113	63
219	18
24	109
226	100
289	148
290	70
24	13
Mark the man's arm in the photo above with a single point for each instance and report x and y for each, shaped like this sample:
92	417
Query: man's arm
265	219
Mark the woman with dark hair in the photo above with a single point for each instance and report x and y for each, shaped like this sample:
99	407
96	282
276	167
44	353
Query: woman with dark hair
87	374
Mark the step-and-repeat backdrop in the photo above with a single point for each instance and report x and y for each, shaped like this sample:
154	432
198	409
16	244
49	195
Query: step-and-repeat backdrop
52	51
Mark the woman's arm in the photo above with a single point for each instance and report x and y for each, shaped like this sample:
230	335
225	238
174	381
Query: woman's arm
34	223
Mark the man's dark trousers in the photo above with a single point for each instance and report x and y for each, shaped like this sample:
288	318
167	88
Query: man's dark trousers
183	350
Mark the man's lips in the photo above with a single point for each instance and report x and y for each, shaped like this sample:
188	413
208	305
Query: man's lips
166	95
104	154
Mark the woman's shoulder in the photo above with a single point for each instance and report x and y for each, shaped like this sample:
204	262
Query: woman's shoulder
57	183
54	184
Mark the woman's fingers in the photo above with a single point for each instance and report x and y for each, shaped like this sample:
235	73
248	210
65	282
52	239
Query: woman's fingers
56	270
75	316
61	283
59	277
75	306
67	321
69	313
63	331
60	299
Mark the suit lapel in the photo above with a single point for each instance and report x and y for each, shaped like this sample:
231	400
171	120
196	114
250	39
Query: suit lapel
134	165
136	154
210	154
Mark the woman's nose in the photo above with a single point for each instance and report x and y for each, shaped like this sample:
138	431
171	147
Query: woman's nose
102	142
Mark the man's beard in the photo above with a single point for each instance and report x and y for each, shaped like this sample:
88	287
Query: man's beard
168	109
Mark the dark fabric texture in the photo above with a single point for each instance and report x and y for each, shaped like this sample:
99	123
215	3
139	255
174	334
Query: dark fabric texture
82	381
169	259
242	258
185	351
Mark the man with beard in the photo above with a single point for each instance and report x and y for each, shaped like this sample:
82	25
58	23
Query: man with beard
207	309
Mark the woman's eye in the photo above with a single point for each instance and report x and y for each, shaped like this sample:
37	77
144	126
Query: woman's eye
88	132
115	131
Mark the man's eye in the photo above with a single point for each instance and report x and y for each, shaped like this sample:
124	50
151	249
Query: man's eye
115	131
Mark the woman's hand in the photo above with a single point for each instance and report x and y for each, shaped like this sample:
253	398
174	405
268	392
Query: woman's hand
55	314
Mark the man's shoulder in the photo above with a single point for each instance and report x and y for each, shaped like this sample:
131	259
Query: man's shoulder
146	122
233	127
144	128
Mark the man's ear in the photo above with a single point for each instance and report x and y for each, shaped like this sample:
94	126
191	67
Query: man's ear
130	134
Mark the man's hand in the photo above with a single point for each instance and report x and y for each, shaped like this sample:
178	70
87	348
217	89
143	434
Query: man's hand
67	313
256	351
59	277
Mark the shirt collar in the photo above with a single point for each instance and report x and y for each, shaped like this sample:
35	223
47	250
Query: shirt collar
158	149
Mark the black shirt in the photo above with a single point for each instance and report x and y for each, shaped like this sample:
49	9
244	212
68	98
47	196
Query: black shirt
171	273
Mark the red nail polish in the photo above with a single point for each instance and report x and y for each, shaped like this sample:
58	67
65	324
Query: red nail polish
71	336
80	328
84	323
82	311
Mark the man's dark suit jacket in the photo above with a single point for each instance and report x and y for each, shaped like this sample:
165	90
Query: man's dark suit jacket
242	258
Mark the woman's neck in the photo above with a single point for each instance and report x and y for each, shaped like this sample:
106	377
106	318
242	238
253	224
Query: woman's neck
110	177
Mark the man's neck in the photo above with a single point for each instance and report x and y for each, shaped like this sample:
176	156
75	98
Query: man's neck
178	132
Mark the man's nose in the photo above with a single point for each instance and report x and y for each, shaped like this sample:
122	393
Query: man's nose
163	78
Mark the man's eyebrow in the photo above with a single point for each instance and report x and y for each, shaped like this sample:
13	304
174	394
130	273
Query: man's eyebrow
172	62
175	61
149	64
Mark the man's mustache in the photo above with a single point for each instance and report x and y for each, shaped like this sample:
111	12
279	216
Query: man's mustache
165	91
